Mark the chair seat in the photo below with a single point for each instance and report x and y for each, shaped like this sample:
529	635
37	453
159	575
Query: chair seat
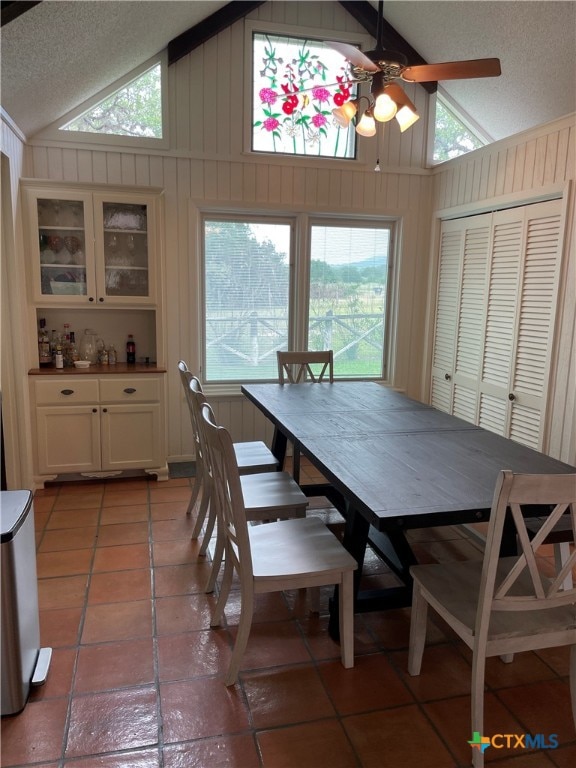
254	457
297	548
268	492
454	588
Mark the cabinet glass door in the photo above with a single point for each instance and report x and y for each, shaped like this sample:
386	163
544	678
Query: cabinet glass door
126	260
62	247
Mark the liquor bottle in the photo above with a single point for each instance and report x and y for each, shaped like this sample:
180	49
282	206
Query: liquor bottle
59	358
130	349
44	354
73	349
66	345
112	355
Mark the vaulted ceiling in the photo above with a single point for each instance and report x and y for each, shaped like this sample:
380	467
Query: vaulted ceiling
57	54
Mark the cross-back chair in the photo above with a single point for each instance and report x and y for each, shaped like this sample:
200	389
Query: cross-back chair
296	367
500	606
285	555
252	456
267	495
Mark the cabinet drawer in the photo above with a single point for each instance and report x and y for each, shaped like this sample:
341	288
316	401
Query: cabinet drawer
114	390
65	391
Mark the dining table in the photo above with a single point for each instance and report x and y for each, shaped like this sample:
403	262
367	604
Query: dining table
390	464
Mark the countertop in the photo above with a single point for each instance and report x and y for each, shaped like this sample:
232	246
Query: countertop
100	370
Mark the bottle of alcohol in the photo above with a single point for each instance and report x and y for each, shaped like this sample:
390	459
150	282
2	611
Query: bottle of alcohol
44	354
66	345
59	357
112	355
130	350
73	349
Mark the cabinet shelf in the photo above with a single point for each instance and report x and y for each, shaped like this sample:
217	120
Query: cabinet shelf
126	231
53	265
59	228
115	267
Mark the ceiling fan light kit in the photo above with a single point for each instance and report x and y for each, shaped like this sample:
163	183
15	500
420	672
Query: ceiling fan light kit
380	67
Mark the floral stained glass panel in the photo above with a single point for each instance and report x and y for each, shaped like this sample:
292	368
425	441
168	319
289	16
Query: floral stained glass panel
296	85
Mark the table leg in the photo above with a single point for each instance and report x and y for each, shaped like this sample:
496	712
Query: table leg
279	443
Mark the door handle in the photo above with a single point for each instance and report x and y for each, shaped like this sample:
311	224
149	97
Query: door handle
129	390
66	391
447	376
511	396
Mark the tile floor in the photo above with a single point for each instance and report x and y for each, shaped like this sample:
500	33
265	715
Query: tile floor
136	676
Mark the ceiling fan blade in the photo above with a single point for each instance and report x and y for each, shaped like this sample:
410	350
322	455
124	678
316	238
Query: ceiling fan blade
452	70
354	56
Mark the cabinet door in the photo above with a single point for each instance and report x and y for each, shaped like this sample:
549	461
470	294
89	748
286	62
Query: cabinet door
132	436
125	240
68	439
61	246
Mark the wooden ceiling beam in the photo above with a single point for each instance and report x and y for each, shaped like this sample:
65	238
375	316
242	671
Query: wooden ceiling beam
210	26
10	10
366	15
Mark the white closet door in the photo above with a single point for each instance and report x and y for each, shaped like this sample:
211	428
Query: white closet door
460	309
523	286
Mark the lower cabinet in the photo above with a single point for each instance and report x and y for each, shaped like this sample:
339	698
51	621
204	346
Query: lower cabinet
99	426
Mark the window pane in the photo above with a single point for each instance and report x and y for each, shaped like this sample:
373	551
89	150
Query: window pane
299	124
348	291
246	296
451	137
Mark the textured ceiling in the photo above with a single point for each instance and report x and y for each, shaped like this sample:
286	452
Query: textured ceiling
60	53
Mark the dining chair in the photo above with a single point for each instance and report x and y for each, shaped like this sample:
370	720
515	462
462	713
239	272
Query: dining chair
267	496
500	606
296	367
252	456
278	556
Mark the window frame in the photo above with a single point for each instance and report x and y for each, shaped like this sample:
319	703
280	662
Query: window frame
299	262
468	122
55	130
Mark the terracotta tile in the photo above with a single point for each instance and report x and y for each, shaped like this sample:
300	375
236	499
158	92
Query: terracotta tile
221	752
192	654
526	668
542	707
122	557
400	735
119	498
106	722
142	758
564	757
286	695
59	680
267	607
81	488
117	621
557	658
322	647
60	627
66	563
196	709
272	644
181	579
177	552
183	613
63	592
127	484
444	673
527	760
49	490
122	533
73	518
114	665
322	744
172	510
68	538
120	586
168	530
35	734
371	684
85	500
124	514
452	718
163	494
391	629
43	504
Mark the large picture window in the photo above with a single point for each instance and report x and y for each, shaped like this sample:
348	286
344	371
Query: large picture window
265	291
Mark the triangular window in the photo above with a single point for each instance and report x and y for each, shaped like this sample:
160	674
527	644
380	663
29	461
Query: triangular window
452	135
134	110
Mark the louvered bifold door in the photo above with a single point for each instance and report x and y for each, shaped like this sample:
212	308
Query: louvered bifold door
523	284
447	301
471	314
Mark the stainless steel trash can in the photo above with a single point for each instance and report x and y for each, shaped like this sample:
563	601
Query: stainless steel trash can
23	662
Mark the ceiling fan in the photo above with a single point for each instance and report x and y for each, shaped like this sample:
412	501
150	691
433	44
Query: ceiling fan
380	67
389	65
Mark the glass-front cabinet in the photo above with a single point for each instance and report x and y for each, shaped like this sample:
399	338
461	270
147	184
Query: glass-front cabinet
91	248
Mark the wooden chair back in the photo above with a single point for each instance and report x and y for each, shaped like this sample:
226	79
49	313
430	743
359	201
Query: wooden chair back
296	367
522	585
